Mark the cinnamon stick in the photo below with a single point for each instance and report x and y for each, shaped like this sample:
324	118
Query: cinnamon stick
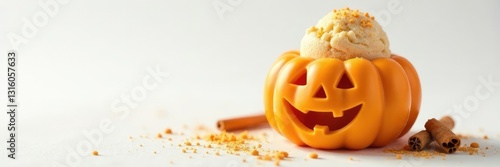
419	140
423	138
241	122
443	135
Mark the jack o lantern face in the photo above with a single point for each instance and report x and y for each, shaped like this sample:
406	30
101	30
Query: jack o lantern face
329	99
324	121
330	103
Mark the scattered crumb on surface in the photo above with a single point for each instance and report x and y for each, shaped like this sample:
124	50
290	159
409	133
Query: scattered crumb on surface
168	131
474	145
406	151
471	150
254	152
266	157
214	143
313	155
276	163
95	153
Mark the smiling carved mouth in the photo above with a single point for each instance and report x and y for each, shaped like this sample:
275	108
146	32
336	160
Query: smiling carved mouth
315	119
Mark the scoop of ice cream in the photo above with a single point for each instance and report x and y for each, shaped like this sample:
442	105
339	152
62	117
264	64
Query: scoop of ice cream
345	34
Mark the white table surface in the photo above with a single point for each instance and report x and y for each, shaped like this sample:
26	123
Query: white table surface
87	56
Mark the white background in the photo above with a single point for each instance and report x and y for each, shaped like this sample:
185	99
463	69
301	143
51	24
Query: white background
86	55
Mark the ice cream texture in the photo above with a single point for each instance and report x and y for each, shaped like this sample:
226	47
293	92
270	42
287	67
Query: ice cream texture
345	34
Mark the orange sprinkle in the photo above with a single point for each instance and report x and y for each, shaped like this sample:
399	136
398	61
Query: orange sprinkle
254	152
284	153
399	156
159	135
313	155
279	156
366	23
95	153
474	145
267	157
168	131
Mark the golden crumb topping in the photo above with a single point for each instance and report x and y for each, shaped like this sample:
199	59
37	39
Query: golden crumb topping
354	17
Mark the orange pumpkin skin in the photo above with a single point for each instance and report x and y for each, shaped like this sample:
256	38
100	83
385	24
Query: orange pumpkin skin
328	103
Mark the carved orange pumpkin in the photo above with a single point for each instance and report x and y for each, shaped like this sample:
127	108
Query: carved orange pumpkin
329	103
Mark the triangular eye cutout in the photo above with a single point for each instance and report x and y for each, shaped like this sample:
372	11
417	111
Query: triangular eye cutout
320	93
301	80
345	82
